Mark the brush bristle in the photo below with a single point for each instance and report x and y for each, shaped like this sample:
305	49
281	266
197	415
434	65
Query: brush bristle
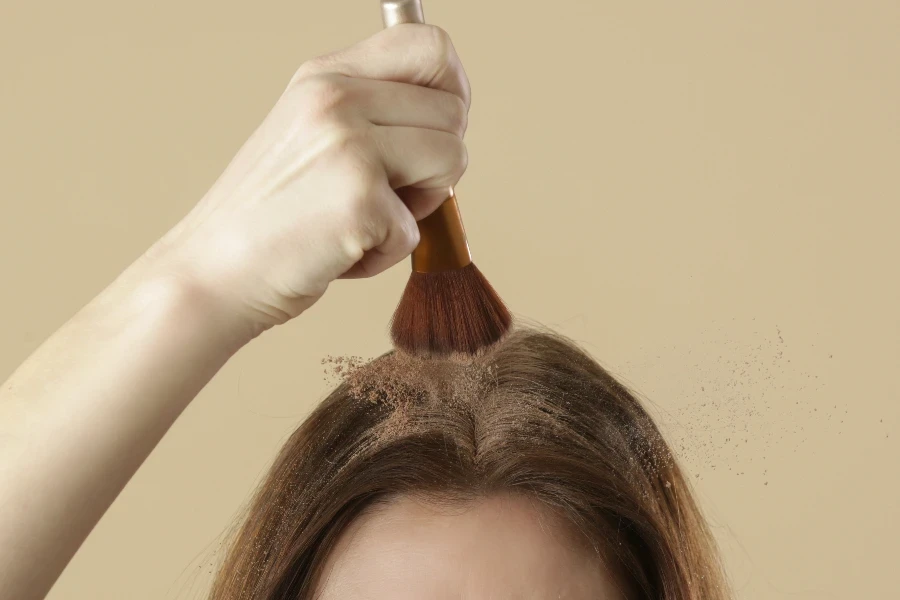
454	312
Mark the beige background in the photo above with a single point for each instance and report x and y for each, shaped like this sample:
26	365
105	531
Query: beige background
704	193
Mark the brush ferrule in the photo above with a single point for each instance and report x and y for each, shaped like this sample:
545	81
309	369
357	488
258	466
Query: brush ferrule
442	243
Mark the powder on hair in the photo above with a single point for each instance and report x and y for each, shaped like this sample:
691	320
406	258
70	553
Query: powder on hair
399	380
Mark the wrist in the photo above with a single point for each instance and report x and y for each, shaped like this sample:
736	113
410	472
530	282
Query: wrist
162	293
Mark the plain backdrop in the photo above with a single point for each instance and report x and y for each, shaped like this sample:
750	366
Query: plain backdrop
705	194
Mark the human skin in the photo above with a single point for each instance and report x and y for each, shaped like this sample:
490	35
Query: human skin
502	547
308	199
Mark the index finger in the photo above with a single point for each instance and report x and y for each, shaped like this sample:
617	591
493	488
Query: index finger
408	53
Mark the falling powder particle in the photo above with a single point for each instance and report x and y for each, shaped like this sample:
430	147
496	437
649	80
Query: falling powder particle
736	400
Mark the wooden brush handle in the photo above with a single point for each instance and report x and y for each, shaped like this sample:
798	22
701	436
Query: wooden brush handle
442	239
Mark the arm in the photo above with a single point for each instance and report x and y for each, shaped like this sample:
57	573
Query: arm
308	199
83	412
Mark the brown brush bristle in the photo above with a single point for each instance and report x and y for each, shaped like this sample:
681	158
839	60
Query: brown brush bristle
449	312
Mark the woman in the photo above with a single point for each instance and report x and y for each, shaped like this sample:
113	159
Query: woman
528	473
360	146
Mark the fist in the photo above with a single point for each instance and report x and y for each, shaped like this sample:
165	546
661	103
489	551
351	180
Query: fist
361	145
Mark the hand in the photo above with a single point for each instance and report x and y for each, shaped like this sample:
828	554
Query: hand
362	144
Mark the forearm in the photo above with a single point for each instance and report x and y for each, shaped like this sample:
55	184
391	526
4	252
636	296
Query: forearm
86	408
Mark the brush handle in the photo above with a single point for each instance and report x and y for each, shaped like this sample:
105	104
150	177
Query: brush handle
395	12
442	238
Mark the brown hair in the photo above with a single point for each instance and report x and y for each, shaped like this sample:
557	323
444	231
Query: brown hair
536	416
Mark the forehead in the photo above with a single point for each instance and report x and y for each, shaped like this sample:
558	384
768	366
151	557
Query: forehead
498	548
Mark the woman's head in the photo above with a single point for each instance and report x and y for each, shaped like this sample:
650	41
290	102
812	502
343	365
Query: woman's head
529	472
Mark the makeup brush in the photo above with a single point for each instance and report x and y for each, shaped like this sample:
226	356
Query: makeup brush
448	307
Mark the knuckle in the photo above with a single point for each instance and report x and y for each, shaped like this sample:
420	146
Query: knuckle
461	159
324	93
355	207
345	145
365	232
455	160
313	66
356	238
410	234
352	248
459	114
437	46
466	92
305	70
440	43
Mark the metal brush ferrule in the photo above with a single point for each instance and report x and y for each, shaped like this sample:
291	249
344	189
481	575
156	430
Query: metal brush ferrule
443	245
